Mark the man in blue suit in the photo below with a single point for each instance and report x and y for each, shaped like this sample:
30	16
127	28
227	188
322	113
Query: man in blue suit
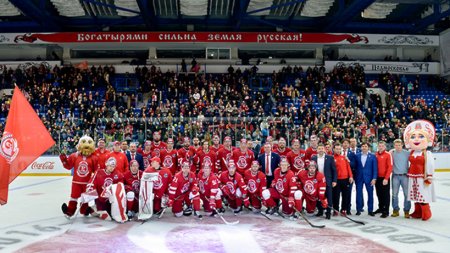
269	162
327	166
133	155
366	174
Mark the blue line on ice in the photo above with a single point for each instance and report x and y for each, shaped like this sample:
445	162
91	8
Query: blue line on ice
30	185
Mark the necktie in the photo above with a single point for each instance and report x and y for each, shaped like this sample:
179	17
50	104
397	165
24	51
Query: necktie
267	165
133	157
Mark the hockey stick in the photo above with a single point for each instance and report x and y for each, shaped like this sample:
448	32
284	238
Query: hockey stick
355	221
162	212
265	215
306	219
223	219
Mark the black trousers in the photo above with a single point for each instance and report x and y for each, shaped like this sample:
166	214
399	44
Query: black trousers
383	195
269	180
341	189
329	196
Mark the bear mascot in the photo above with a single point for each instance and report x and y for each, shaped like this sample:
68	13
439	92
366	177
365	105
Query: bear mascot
84	164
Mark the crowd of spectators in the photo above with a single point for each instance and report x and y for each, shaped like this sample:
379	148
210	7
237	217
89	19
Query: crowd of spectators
295	103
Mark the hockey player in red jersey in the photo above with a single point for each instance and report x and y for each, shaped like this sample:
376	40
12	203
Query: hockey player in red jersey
187	153
281	149
312	184
101	153
146	153
207	157
256	184
157	145
169	157
184	189
196	144
233	188
121	159
132	180
312	149
283	187
269	140
208	184
84	165
100	182
216	146
296	156
224	155
243	157
160	186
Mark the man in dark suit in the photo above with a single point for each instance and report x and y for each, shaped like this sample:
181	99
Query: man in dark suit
366	174
351	157
133	155
269	162
327	166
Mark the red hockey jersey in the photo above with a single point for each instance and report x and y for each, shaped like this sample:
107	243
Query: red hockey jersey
101	180
255	183
233	183
296	160
83	166
157	148
313	187
169	159
181	185
209	158
132	182
243	160
224	157
209	186
285	184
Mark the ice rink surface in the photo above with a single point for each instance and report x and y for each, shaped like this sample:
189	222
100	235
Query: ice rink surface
32	221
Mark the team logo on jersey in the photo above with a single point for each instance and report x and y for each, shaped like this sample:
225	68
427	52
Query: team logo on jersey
309	187
185	188
157	152
135	185
207	161
298	163
242	162
146	162
228	157
9	148
83	169
108	182
167	162
251	186
230	186
157	184
279	185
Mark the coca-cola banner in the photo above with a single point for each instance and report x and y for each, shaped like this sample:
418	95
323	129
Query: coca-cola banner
373	67
218	37
46	166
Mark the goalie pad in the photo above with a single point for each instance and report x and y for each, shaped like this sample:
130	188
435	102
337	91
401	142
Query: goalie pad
146	195
118	202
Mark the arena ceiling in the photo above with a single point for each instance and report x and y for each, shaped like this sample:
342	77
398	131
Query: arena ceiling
350	16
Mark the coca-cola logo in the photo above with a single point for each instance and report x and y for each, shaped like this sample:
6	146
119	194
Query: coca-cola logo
43	166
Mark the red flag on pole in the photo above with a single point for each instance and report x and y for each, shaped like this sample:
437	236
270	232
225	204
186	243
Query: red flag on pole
25	139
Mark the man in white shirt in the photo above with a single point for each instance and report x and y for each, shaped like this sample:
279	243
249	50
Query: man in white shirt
327	166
